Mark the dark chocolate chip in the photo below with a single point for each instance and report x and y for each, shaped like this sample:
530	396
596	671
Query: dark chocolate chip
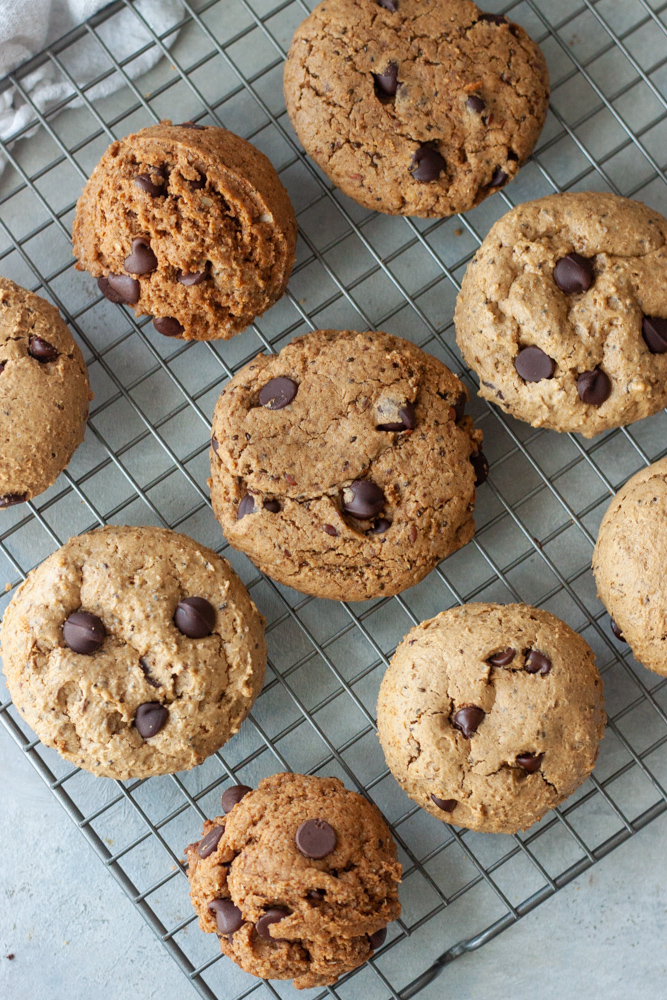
199	183
594	387
533	365
41	350
330	530
228	917
247	506
391	5
574	274
233	795
142	260
499	178
11	499
475	104
146	670
150	718
530	762
194	617
447	805
144	182
120	288
278	393
387	82
480	466
272	916
316	894
272	505
363	499
654	331
191	277
84	632
617	632
537	663
503	658
315	838
208	844
191	125
215	444
468	720
407	421
168	326
379	527
377	939
494	18
427	164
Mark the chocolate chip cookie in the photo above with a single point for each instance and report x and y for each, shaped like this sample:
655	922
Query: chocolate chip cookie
563	312
490	715
189	224
298	879
629	565
415	107
344	466
133	651
44	394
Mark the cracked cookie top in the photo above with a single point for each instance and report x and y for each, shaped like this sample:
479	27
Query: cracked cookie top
490	715
563	312
133	651
299	879
344	466
415	107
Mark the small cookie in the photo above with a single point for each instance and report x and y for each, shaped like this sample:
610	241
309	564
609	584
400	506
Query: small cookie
563	312
44	394
629	565
490	715
298	880
415	107
133	651
344	466
189	224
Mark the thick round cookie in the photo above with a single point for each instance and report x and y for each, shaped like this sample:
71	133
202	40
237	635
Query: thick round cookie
343	466
415	107
490	715
629	565
563	312
133	651
189	224
44	394
299	880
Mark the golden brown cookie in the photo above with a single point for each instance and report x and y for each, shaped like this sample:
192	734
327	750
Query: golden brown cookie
299	879
133	651
490	715
44	394
563	312
190	224
415	107
344	466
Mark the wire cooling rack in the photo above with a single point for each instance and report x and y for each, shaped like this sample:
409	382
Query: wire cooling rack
145	461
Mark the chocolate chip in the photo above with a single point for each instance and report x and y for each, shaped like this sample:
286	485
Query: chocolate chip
191	125
233	795
315	838
503	658
146	670
537	663
199	183
142	260
617	632
447	805
11	499
574	273
530	762
3	365
120	288
84	632
387	82
209	843
247	506
191	277
278	393
533	365
316	894
475	104
150	718
407	421
228	917
499	178
480	465
215	444
494	18
168	326
194	617
272	505
377	939
363	499
427	164
654	331
391	5
144	182
379	527
594	387
41	350
460	406
272	916
468	720
330	530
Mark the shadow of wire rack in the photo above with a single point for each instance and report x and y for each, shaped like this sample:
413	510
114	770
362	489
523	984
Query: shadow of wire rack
145	460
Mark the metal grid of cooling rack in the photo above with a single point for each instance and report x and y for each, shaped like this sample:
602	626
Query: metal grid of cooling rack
144	460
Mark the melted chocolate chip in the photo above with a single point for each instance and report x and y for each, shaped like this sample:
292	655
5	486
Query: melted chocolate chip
391	5
377	939
209	843
330	530
317	895
278	393
480	465
574	274
228	917
168	326
447	805
387	82
232	796
407	420
191	277
194	617
363	499
468	720
475	104
530	762
84	632
503	658
150	718
142	260
11	499
215	445
144	182
427	164
315	839
594	387
247	506
533	365
380	526
537	663
272	505
617	632
499	178
120	288
41	350
272	916
146	670
494	18
654	332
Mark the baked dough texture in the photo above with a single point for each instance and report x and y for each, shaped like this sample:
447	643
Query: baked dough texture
206	202
509	300
84	706
44	394
295	465
467	91
545	710
258	866
629	564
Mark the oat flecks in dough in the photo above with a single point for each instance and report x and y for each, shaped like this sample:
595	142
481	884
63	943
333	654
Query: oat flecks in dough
509	300
306	459
468	91
334	903
629	564
85	705
538	739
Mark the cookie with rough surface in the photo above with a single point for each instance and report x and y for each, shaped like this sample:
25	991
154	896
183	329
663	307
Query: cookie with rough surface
490	715
344	466
133	651
189	224
299	879
563	312
629	565
415	107
44	394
